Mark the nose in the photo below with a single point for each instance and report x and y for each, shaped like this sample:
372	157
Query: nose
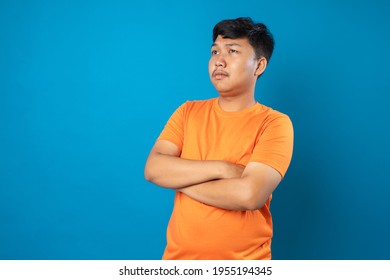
220	61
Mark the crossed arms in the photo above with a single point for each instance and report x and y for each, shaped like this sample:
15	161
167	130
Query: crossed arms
213	182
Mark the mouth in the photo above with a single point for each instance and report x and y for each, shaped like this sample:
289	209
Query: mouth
220	74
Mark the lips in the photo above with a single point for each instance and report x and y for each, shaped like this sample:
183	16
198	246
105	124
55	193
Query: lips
219	74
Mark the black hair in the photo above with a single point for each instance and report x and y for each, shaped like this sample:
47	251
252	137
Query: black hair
258	35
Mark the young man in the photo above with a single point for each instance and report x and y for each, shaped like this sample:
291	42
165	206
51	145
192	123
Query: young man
224	156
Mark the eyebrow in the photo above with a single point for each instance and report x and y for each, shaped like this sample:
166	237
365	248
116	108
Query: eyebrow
227	45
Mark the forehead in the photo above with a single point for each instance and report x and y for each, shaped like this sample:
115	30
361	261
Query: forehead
226	42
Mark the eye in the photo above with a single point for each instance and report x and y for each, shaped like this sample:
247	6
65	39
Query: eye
214	52
233	51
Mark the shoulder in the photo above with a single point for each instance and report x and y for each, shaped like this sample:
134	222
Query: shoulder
195	105
200	102
271	115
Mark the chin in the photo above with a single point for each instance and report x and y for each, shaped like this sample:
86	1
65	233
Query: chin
226	93
222	89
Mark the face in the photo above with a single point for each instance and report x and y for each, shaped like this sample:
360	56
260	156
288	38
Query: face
233	67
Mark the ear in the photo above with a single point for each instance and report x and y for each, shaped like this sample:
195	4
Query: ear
261	65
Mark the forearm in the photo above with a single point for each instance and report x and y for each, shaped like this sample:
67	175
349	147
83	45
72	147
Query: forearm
230	194
247	192
174	172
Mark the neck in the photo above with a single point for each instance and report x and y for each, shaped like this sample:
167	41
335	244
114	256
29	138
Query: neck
236	103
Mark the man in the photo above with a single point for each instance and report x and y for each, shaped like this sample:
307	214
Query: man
224	156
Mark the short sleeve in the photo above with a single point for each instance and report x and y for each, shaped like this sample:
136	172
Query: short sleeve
174	128
275	144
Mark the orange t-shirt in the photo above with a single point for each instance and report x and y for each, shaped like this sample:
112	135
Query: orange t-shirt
203	131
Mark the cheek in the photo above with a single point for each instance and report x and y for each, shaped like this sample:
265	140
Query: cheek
211	66
247	69
251	65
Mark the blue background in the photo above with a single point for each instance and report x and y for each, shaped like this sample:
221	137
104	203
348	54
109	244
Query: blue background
87	86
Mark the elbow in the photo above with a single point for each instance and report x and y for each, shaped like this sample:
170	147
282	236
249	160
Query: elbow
153	176
253	204
252	200
250	204
152	171
148	174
